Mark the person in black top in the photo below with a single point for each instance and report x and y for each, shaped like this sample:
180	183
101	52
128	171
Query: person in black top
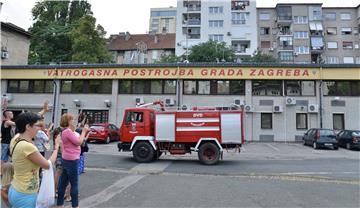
6	134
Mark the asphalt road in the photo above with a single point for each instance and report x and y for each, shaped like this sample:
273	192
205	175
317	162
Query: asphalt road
262	175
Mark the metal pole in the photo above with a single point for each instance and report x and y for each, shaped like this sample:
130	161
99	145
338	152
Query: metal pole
320	104
187	32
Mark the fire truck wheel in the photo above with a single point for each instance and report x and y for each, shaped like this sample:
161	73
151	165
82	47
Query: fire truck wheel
157	155
209	154
143	152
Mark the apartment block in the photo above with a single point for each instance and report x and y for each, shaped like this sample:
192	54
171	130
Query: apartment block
309	33
162	20
129	48
230	21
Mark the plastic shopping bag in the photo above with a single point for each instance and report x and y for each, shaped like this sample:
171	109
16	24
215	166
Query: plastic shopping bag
46	195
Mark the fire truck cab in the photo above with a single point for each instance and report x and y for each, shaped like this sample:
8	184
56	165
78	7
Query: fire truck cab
149	133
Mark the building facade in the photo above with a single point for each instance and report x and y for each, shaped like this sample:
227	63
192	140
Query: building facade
231	21
280	101
310	33
140	48
162	20
15	43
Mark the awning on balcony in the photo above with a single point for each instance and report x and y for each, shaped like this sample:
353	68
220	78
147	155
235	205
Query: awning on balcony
317	43
316	26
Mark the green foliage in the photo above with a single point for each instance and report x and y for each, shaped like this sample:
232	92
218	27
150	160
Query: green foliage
258	57
87	36
169	59
54	22
211	51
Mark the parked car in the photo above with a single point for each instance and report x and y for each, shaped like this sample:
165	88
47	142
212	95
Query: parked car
104	132
350	139
317	137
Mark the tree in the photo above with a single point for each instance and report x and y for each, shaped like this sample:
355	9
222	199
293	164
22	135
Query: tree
88	42
54	22
258	57
169	59
211	51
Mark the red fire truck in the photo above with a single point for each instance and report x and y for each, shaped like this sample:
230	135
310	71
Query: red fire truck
149	133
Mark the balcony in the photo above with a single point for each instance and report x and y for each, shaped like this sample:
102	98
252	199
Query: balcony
241	47
317	44
192	22
285	47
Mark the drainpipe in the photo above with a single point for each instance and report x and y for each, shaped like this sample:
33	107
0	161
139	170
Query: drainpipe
320	99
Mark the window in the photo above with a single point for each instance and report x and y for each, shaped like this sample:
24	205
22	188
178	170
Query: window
332	60
239	4
237	87
286	56
266	120
265	44
264	30
346	31
316	13
338	121
331	31
330	16
301	121
216	37
348	60
356	31
86	86
267	87
342	88
156	87
214	87
357	60
301	35
147	86
31	86
169	86
97	116
300	88
216	10
347	45
264	16
216	23
302	49
239	18
300	19
332	45
345	16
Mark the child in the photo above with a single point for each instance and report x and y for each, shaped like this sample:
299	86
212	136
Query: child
7	173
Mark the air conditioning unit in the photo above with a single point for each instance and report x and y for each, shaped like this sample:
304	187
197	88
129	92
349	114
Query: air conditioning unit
313	108
296	54
229	33
249	108
238	102
277	109
4	54
290	101
170	101
139	100
271	49
8	97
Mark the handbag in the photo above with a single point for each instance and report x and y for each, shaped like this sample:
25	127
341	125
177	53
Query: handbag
46	195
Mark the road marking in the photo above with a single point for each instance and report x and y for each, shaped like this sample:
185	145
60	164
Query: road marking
272	147
124	183
110	191
157	167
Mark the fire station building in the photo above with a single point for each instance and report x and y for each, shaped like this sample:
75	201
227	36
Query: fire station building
280	101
